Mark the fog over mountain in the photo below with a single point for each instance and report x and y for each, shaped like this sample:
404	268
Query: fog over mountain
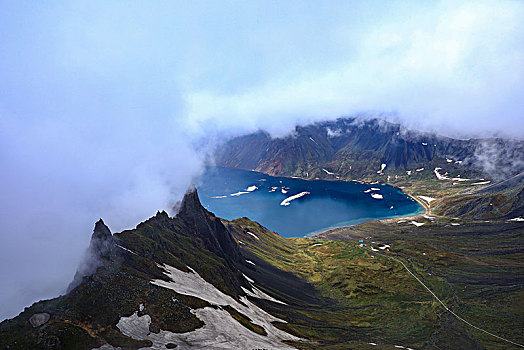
107	109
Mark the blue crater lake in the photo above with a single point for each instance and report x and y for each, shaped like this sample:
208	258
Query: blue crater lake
295	207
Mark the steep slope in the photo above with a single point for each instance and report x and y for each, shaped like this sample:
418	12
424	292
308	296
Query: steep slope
504	199
175	276
198	281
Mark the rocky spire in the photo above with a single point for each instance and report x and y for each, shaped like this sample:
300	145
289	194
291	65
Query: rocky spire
214	234
102	245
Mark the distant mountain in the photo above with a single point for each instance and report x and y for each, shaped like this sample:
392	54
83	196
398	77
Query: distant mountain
352	148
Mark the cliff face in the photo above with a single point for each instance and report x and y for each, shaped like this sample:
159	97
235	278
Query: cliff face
352	149
208	228
101	247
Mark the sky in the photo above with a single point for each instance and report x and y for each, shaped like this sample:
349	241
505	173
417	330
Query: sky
103	102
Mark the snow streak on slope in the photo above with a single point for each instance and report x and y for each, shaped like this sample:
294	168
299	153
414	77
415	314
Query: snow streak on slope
221	330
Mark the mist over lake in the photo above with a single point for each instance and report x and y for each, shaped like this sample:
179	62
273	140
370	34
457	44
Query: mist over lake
310	206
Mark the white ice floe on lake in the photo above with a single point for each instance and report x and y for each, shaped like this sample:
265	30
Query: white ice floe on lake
377	196
283	191
220	330
328	172
238	193
287	201
372	189
250	262
426	199
251	188
418	224
252	234
218	197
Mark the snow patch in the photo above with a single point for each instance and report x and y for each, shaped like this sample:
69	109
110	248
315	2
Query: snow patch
252	234
481	183
519	219
247	278
221	331
328	172
333	133
314	141
418	170
426	199
250	262
127	250
418	224
257	293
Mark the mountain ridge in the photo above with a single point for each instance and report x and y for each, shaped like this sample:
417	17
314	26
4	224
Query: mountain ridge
354	148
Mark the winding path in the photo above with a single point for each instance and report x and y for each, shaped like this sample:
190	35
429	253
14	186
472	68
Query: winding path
442	303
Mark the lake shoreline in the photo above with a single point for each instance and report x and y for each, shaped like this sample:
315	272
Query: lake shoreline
423	209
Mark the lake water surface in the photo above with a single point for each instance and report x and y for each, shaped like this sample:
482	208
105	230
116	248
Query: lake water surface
234	193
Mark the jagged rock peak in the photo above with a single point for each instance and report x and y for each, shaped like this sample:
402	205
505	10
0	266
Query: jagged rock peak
214	234
101	230
190	204
162	214
102	245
